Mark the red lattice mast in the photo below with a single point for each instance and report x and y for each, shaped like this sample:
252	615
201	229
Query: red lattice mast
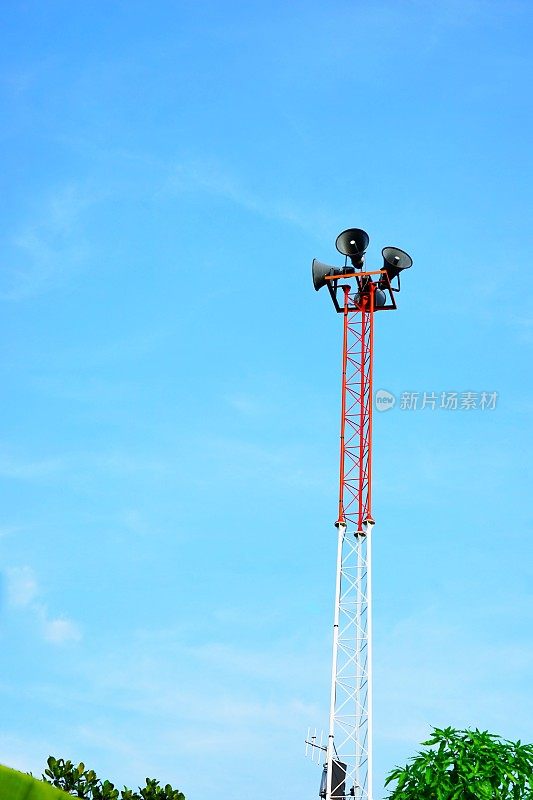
355	479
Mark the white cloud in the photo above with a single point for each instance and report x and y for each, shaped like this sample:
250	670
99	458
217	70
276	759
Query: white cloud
22	587
214	179
12	467
23	752
8	530
432	670
156	705
48	247
60	630
286	464
74	465
246	404
23	595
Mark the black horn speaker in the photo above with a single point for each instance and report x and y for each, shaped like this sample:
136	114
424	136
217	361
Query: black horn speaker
395	260
380	298
319	272
353	243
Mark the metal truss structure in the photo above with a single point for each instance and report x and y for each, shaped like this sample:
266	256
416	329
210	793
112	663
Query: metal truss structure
357	295
349	744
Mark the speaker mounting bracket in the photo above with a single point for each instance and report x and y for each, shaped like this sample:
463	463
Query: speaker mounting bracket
363	280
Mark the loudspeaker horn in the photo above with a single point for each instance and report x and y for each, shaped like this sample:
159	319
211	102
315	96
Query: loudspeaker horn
319	272
353	243
380	298
395	260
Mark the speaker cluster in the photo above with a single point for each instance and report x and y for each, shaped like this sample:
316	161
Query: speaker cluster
353	243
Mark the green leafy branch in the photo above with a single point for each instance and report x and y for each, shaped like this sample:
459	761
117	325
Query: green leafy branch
84	783
465	765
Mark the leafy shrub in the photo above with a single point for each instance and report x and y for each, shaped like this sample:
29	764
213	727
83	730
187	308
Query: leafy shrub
81	782
466	765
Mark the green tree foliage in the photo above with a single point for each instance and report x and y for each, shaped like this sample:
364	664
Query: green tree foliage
81	782
466	765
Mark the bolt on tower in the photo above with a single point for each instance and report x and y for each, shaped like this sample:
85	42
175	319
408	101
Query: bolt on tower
357	295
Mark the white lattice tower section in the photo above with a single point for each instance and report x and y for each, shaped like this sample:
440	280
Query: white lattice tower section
352	679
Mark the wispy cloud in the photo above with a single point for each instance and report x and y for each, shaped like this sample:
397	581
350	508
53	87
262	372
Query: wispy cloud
49	246
24	752
22	587
213	178
9	530
135	522
434	670
285	464
23	595
58	630
13	467
75	465
188	701
137	345
246	404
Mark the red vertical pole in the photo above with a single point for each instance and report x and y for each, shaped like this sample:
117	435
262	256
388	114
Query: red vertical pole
355	478
362	414
340	518
370	373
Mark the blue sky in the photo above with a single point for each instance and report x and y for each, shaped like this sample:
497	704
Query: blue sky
170	379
